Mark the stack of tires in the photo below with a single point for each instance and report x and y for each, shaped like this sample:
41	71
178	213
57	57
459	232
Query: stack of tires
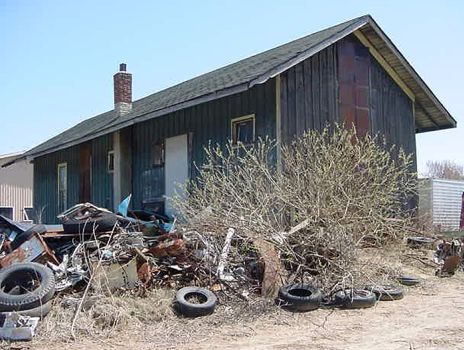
302	297
27	289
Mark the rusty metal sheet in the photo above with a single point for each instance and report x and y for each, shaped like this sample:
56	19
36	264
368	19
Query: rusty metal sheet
34	249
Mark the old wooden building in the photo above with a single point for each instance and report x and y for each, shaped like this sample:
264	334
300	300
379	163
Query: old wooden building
350	73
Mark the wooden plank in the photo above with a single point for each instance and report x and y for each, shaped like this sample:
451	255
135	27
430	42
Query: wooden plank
85	156
315	91
291	107
300	124
392	73
283	107
324	95
278	123
331	85
308	102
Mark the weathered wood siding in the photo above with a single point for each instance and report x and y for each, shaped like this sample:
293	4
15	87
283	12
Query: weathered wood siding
391	111
353	82
344	83
45	178
207	122
309	94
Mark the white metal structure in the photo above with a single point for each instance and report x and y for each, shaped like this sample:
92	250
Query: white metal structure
441	201
16	185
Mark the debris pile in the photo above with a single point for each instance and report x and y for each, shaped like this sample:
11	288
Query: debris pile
450	255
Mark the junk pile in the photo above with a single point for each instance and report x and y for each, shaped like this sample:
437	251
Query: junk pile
450	255
131	249
94	249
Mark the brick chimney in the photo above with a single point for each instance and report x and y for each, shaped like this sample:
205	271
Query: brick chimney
122	91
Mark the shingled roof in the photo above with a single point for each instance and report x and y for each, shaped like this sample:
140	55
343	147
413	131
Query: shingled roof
257	69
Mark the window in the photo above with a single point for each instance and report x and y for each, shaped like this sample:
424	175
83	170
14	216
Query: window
158	154
7	212
110	163
243	130
62	187
28	214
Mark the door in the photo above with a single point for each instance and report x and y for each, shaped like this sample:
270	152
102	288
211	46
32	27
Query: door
176	167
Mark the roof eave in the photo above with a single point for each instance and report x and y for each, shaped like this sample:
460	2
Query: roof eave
451	121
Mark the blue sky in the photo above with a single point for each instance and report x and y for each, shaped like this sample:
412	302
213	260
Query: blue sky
57	58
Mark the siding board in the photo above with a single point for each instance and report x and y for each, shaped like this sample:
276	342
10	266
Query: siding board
308	98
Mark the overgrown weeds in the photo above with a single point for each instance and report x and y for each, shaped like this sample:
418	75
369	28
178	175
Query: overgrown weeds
346	192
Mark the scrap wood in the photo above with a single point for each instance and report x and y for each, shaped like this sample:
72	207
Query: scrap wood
279	237
273	269
224	254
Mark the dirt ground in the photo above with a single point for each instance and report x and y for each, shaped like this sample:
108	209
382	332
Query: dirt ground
431	316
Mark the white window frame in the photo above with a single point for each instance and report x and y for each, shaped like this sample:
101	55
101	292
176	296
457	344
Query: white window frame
239	119
62	165
110	153
9	207
25	214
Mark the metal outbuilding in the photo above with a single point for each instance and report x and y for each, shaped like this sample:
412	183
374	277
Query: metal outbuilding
441	201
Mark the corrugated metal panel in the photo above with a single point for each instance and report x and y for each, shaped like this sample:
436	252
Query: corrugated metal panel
208	122
446	202
425	199
16	197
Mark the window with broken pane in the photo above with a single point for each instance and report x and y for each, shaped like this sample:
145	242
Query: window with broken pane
243	130
158	154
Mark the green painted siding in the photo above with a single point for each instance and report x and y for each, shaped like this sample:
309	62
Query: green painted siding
45	178
102	180
46	186
208	122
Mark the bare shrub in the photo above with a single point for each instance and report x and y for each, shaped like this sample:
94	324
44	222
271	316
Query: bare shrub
349	192
445	169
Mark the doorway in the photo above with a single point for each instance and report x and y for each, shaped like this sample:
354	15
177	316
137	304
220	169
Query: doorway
176	168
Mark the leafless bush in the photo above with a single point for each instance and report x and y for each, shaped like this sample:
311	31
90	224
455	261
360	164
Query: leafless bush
349	192
445	169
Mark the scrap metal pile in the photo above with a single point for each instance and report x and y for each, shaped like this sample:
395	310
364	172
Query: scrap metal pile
94	249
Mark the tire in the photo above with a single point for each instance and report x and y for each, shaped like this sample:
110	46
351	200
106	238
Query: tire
355	298
23	274
24	236
103	223
409	280
39	311
415	242
300	297
188	309
387	292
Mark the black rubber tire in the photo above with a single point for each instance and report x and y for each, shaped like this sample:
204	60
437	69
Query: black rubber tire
39	311
21	273
300	297
188	309
387	292
415	242
103	223
24	236
409	280
355	298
